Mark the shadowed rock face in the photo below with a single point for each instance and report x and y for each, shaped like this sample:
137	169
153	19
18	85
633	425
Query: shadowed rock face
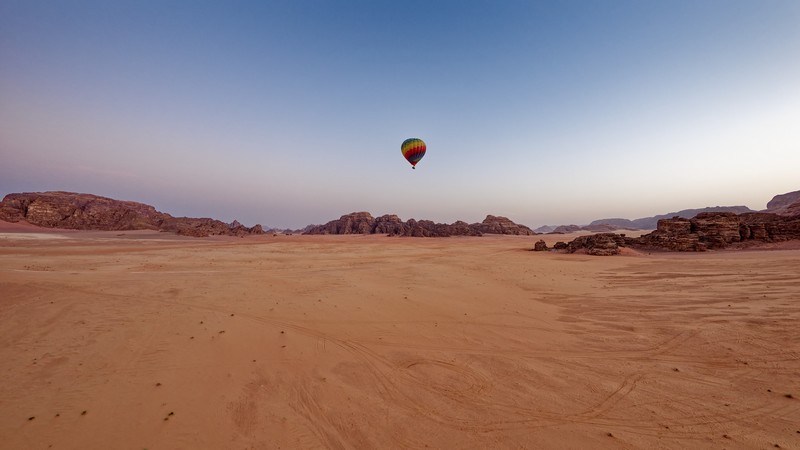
364	223
74	211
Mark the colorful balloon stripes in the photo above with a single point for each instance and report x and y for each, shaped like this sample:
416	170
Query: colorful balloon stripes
413	150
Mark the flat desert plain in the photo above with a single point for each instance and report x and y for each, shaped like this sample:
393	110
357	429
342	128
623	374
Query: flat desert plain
135	340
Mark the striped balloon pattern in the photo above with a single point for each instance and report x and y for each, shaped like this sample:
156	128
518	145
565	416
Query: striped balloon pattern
413	150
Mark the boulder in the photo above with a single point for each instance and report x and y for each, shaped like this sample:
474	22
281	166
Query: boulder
601	244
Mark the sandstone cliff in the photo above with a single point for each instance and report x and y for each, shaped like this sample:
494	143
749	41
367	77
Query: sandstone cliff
75	211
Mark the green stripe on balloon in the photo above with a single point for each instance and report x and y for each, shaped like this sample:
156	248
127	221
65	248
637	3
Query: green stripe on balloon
413	149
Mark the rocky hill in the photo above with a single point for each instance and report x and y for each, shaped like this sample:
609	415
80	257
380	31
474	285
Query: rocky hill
75	211
390	224
784	204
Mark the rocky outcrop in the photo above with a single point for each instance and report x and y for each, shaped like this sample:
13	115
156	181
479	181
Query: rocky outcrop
769	227
427	228
353	223
540	246
716	230
204	227
721	230
614	222
75	211
671	234
706	231
793	209
563	229
502	225
601	244
785	204
390	224
601	228
80	212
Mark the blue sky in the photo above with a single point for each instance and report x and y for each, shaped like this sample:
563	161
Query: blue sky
288	113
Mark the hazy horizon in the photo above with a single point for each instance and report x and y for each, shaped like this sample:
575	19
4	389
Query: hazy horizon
292	113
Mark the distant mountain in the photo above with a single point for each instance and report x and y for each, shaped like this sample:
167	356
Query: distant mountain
649	223
785	204
364	223
75	211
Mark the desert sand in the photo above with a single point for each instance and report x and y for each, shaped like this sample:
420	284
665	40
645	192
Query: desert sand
138	340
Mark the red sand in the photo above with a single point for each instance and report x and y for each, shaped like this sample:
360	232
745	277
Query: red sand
378	342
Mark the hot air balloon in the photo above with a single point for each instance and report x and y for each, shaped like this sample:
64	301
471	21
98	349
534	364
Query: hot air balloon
413	150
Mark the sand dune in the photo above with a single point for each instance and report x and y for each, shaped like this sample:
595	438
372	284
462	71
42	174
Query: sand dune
148	340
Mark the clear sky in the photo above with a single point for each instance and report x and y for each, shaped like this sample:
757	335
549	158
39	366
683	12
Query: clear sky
292	112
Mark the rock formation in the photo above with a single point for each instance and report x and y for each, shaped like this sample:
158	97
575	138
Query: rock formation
79	211
671	234
427	228
74	211
390	224
702	232
540	246
502	225
562	229
785	204
769	227
602	228
601	244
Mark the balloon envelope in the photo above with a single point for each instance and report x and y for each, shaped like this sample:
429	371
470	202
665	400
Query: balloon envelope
413	150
